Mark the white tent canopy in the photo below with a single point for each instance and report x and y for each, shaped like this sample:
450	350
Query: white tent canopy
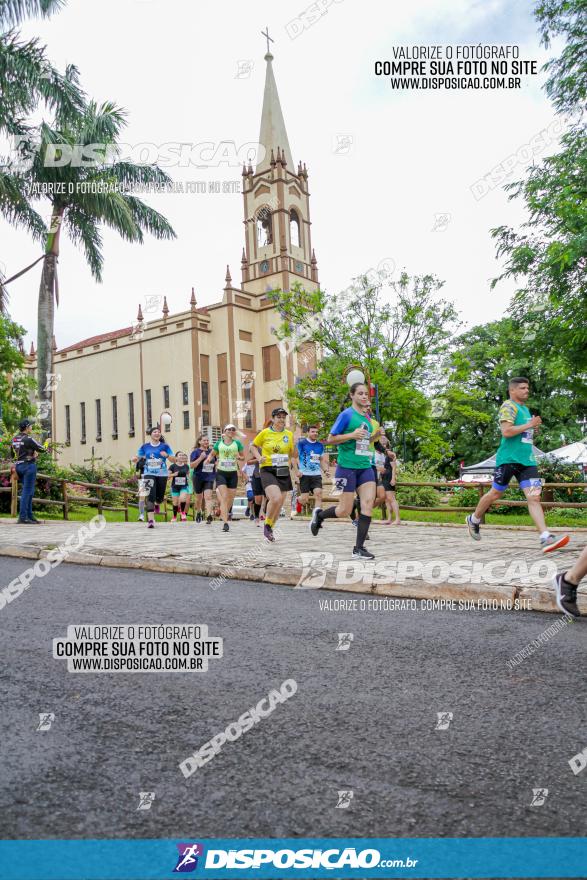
574	453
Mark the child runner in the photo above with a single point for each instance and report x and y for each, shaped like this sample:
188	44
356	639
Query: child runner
181	486
203	478
156	455
273	447
352	432
229	451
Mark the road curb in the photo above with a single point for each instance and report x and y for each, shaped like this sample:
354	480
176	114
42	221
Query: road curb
500	595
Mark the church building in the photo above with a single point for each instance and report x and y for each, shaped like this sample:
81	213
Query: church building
207	365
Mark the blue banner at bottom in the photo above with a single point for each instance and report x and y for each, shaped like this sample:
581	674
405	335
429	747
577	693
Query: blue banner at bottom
505	857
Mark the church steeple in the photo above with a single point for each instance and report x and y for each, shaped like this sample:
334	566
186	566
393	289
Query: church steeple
278	247
273	134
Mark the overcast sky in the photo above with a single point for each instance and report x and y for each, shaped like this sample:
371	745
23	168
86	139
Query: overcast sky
191	72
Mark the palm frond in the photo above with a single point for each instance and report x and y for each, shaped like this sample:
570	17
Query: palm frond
13	12
84	231
15	206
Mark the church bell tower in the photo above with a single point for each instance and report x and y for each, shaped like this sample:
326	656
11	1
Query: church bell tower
278	245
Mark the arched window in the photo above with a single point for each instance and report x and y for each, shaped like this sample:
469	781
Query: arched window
294	228
264	227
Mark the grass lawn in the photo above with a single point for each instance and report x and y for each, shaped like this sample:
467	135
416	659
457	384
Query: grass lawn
83	514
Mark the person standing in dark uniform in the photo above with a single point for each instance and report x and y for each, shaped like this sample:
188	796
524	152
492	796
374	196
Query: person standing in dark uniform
26	449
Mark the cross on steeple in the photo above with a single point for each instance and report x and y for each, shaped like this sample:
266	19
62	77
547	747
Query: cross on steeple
269	39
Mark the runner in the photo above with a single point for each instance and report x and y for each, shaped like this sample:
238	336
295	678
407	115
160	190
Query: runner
565	584
257	486
203	478
156	454
247	471
388	479
379	468
140	469
352	432
229	451
313	462
274	449
515	458
181	486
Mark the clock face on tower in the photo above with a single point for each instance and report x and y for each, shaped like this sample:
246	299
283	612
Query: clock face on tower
264	266
299	267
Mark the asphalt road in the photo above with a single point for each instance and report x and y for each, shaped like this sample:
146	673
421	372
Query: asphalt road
362	719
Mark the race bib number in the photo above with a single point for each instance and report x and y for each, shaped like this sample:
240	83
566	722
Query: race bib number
227	464
314	458
208	468
528	436
379	459
153	465
180	481
279	460
362	447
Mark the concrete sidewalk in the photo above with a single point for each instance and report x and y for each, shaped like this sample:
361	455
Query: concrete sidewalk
401	552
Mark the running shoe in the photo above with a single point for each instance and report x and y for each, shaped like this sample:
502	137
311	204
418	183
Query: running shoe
141	517
183	517
173	519
474	530
225	527
199	517
316	521
34	521
209	518
566	595
257	521
150	524
157	509
298	507
262	517
362	553
268	534
552	543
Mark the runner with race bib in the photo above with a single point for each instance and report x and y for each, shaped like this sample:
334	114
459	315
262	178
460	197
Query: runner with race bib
353	432
181	486
156	454
273	447
203	477
229	452
313	462
515	458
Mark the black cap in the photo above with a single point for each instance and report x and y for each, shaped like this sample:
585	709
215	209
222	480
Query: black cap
279	410
24	424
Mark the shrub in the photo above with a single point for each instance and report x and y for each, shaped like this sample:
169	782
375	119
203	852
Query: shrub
417	472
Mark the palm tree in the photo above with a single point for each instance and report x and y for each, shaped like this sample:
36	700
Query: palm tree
84	195
26	79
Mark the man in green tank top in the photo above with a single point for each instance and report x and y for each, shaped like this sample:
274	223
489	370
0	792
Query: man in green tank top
515	458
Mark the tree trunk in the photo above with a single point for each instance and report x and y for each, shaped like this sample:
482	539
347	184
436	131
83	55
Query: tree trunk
46	324
45	329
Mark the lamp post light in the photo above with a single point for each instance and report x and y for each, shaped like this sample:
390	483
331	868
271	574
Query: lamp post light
165	420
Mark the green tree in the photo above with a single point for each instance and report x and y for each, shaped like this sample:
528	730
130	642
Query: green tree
476	373
15	384
85	194
396	332
548	255
27	79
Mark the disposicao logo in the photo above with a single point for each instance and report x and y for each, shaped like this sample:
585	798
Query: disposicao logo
187	859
